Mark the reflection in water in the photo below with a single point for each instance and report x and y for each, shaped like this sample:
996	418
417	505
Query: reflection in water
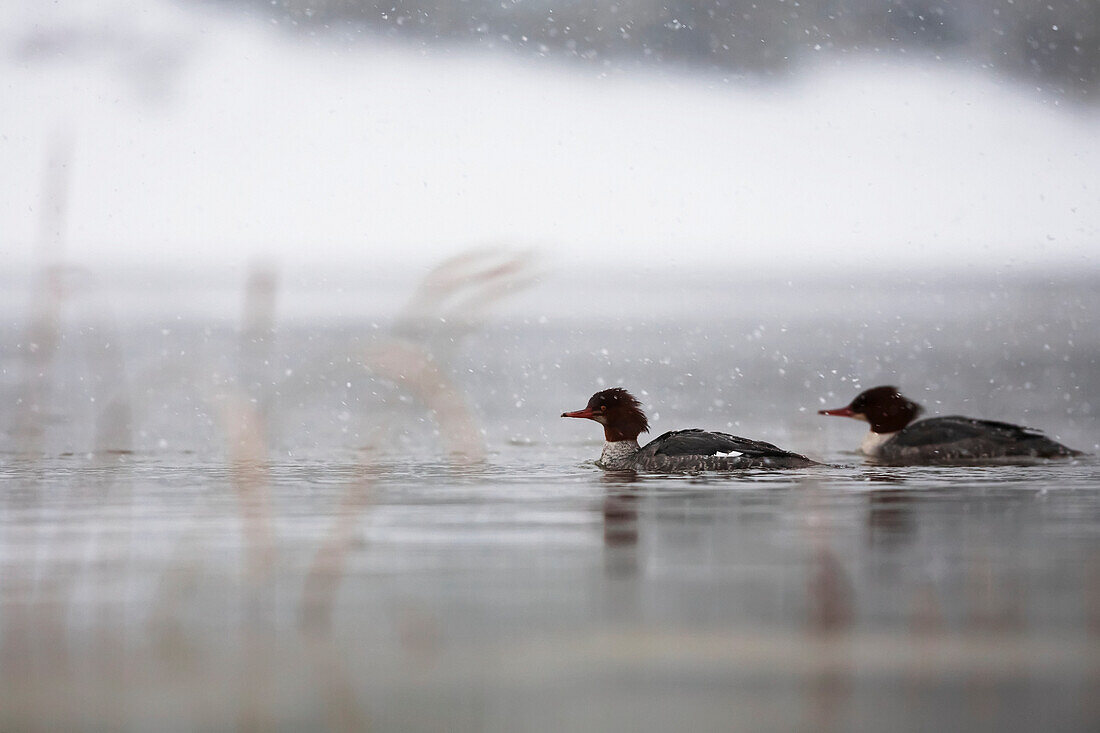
324	576
830	595
620	534
620	523
830	599
890	517
620	520
993	607
1091	704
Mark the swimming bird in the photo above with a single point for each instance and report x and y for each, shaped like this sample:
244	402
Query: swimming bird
622	418
895	437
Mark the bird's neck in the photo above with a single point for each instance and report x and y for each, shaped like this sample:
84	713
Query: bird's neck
873	442
618	434
616	451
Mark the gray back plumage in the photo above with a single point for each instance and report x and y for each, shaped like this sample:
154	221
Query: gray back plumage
957	437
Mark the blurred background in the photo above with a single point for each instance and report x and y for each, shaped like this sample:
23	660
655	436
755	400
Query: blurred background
292	294
772	135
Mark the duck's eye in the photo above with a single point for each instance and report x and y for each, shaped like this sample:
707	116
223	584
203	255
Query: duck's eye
603	408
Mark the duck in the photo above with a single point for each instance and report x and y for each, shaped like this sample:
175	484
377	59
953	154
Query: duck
690	450
895	437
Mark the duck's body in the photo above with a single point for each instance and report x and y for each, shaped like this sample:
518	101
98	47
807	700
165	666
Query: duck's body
895	438
676	451
698	450
957	438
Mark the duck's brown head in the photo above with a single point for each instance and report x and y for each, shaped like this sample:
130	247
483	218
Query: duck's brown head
883	407
618	411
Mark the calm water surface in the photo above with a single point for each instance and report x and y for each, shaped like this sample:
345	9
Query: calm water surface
222	527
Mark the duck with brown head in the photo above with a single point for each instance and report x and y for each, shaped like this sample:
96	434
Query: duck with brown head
623	421
895	438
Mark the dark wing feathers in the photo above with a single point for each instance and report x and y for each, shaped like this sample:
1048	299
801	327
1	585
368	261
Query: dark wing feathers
698	442
955	437
952	428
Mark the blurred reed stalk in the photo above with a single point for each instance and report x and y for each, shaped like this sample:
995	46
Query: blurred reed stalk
245	424
244	419
31	632
459	291
42	334
449	303
34	653
250	475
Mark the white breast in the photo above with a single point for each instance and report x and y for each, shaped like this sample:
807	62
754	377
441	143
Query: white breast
873	442
617	451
